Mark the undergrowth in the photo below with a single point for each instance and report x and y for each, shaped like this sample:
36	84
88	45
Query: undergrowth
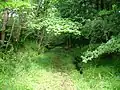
53	70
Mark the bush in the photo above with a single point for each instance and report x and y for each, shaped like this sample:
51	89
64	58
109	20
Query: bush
113	45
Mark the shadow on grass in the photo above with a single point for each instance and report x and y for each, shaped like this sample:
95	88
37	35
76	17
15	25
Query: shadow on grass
55	60
30	69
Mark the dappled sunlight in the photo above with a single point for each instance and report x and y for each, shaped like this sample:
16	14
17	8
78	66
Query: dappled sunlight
47	71
55	71
41	79
59	45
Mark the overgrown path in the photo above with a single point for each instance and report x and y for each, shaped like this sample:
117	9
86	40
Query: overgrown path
28	70
47	71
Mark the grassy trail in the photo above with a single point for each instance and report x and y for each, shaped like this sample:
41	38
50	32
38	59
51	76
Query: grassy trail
26	70
38	72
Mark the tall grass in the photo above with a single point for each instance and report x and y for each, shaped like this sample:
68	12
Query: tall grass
53	70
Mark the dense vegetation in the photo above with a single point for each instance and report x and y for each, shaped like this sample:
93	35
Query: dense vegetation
76	34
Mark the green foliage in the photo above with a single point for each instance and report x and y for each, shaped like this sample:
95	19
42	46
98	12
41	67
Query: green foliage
26	69
51	28
75	9
101	31
113	45
58	26
58	20
102	27
97	30
45	22
15	4
18	12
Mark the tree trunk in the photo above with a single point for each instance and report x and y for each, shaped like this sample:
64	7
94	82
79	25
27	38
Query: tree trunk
5	19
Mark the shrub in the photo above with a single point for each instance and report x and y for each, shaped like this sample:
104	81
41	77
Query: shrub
113	45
